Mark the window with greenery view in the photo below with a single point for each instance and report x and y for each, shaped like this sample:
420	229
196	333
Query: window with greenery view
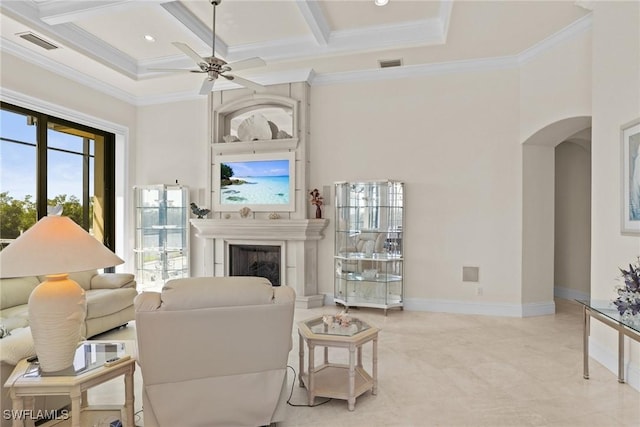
49	164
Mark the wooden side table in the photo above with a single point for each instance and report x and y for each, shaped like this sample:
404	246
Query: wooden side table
24	386
333	380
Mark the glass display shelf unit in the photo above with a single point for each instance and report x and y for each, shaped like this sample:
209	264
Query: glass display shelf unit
162	234
368	256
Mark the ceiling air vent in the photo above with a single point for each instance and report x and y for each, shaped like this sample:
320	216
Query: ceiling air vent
390	63
37	40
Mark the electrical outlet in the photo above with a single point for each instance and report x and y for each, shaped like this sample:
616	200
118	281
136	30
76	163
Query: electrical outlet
479	291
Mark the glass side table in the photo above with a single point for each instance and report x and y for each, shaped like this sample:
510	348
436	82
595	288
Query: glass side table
334	380
606	312
88	370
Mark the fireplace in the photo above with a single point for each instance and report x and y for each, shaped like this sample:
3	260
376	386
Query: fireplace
294	239
256	260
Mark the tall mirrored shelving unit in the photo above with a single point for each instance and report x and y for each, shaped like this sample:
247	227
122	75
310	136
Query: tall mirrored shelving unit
368	257
162	234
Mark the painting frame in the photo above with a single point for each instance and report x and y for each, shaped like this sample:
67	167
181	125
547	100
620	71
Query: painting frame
630	148
221	202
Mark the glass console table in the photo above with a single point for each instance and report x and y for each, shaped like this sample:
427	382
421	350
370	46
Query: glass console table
607	313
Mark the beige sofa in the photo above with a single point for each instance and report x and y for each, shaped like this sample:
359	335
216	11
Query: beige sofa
213	351
109	305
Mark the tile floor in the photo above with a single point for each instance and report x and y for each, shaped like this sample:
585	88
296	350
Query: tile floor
437	369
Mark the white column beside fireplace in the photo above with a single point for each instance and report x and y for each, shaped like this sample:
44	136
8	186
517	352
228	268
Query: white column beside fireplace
298	239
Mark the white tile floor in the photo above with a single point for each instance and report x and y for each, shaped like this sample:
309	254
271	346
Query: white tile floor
438	369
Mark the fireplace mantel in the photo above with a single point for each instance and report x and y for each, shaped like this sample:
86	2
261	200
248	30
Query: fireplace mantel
299	239
260	229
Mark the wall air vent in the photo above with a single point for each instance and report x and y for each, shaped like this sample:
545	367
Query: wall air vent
390	63
37	40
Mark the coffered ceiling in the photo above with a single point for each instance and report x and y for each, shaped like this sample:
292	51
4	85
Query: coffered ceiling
101	42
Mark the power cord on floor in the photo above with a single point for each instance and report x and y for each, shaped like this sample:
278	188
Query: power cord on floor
293	383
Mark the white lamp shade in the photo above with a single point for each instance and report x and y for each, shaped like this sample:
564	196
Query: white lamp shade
55	244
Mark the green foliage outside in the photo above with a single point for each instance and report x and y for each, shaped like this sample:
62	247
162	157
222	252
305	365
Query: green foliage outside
16	216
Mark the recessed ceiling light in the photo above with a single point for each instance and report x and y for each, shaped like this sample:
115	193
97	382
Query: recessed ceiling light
149	38
380	2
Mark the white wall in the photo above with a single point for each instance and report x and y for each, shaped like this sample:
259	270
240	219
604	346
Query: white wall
616	100
173	143
453	140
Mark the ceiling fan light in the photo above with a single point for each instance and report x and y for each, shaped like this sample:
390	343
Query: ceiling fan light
380	2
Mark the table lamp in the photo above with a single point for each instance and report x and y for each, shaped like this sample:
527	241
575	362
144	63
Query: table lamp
54	247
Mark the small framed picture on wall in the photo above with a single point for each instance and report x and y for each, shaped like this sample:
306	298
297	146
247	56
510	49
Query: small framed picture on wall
630	133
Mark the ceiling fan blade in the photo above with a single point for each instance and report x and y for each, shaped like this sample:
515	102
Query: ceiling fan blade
244	82
245	64
190	53
207	86
185	70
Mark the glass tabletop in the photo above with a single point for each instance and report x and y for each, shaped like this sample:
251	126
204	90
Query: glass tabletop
317	326
89	355
609	310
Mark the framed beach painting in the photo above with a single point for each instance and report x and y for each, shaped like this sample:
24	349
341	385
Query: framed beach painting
630	133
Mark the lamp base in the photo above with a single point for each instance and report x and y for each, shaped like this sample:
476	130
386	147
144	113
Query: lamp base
57	309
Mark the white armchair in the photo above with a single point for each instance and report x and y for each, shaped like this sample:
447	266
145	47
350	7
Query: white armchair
213	351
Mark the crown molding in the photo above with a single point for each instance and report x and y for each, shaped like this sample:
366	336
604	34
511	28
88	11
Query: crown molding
575	28
316	21
42	61
37	104
408	71
196	26
280	50
73	36
423	32
62	12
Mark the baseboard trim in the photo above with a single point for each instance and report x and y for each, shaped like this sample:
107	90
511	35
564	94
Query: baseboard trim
570	294
609	359
469	307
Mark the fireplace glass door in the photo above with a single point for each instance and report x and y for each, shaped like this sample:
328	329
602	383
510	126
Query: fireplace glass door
256	260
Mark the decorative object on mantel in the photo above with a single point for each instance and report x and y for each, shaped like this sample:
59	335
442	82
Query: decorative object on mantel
245	212
230	138
199	212
227	216
274	215
628	301
257	128
316	200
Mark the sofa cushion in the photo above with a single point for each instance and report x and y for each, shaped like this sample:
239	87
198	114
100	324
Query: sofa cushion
15	291
206	292
17	346
113	281
103	302
82	278
15	317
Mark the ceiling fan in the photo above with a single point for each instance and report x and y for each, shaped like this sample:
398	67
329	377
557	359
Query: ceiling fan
216	67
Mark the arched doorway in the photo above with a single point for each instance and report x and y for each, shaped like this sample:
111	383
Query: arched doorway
539	236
